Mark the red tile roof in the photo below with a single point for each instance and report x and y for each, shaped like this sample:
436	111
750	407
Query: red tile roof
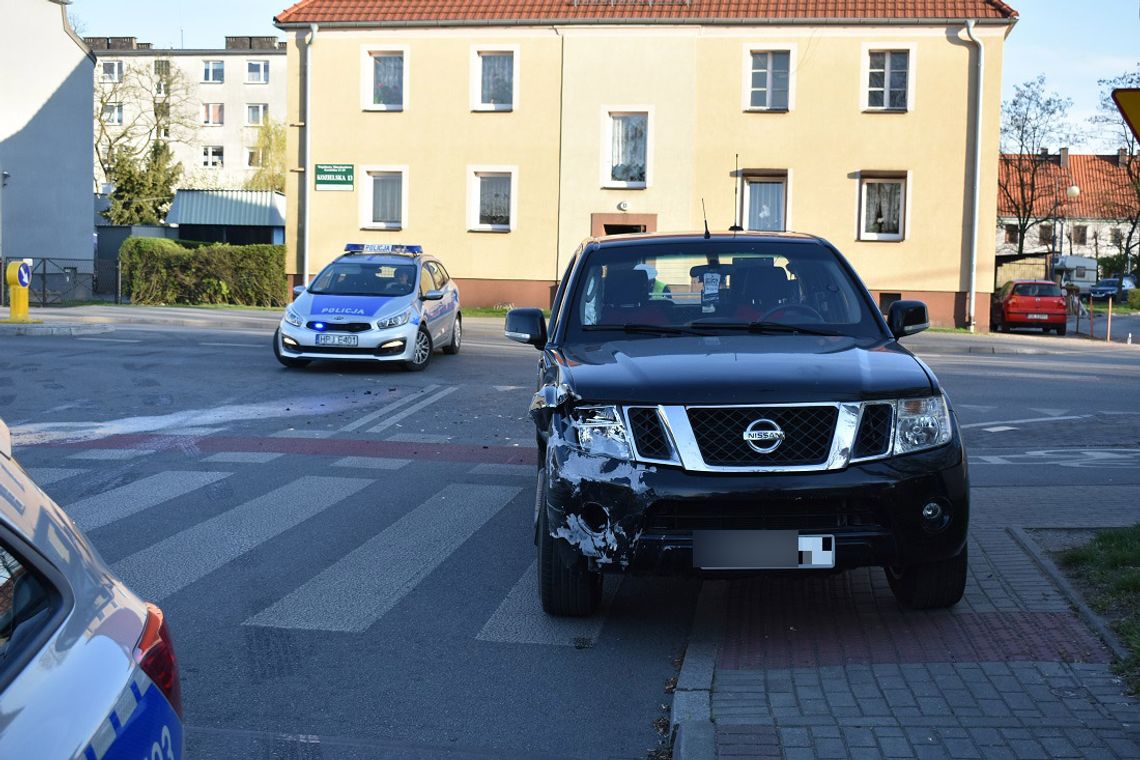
1105	189
444	11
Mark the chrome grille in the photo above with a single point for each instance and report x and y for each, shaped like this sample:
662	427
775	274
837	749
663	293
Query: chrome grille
874	435
649	434
808	432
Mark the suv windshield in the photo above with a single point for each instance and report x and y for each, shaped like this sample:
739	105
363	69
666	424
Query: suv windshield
711	287
351	278
1110	283
1037	289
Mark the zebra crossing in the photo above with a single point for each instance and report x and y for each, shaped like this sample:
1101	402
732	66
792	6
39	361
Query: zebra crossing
346	594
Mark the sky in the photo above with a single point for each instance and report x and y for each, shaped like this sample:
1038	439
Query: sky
1072	42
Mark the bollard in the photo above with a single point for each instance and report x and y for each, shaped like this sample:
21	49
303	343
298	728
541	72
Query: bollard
1130	339
19	277
1108	332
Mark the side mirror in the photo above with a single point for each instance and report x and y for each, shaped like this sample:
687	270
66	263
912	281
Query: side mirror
526	326
907	318
433	295
298	290
5	441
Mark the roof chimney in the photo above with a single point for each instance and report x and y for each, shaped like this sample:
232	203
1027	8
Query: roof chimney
1121	156
1044	151
1064	158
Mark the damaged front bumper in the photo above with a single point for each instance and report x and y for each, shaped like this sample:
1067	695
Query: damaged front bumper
612	515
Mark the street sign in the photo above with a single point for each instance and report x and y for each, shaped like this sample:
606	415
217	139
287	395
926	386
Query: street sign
1128	101
334	177
24	275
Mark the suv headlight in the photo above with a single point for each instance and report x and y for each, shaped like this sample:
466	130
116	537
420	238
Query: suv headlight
293	317
400	319
601	431
921	423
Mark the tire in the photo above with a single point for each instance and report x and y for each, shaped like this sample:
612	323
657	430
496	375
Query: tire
287	361
934	585
452	348
421	352
1062	329
564	591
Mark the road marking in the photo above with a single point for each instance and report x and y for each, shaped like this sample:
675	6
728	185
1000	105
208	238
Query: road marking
418	438
1083	458
505	346
233	345
1048	412
112	340
244	457
386	409
174	563
372	463
975	408
521	470
110	454
114	505
999	429
413	409
360	588
48	475
300	433
505	388
1025	421
520	619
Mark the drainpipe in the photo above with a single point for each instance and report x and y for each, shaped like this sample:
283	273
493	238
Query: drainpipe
978	90
307	167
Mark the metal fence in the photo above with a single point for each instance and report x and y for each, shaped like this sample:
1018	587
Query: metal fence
61	281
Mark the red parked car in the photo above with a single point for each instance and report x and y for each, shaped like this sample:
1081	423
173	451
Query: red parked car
1029	303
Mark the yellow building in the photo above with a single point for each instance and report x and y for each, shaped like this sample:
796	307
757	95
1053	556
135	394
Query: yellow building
500	135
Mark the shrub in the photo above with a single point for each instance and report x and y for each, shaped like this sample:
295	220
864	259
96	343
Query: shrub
161	271
1134	298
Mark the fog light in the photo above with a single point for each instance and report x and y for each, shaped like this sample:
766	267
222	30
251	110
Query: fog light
932	512
594	517
290	342
392	344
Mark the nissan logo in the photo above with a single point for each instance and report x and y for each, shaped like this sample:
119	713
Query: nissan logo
763	436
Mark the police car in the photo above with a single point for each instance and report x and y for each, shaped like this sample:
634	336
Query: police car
374	303
87	669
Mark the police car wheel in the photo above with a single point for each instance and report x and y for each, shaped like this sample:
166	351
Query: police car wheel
285	360
421	352
452	348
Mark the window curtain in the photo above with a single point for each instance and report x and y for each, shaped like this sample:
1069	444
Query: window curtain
387	198
498	75
884	207
766	206
495	200
629	147
388	81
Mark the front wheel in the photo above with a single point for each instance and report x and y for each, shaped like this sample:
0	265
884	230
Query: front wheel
286	360
421	352
452	348
933	585
564	591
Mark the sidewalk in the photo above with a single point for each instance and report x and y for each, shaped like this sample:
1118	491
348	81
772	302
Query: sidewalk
832	667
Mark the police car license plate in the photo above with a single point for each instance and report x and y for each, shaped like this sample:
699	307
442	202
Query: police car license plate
1038	316
761	550
336	340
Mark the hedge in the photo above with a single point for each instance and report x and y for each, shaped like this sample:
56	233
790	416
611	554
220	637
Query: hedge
1134	298
161	271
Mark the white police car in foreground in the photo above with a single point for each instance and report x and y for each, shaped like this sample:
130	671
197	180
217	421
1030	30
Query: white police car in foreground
87	669
374	303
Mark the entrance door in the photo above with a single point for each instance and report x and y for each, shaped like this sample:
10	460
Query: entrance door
621	224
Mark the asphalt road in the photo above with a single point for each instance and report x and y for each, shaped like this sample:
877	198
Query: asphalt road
345	551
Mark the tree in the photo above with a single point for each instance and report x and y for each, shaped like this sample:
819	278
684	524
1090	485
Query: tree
269	158
1029	183
1121	202
143	192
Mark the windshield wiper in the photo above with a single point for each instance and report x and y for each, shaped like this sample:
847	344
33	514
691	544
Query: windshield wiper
763	327
644	329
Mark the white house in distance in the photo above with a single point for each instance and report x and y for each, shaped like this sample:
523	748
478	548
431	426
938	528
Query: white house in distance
220	100
46	207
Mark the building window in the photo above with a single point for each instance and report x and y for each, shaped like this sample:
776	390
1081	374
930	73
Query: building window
765	203
388	79
883	213
1080	234
162	68
113	114
1117	237
493	80
256	114
769	82
491	199
213	156
214	71
384	198
213	114
112	71
1011	234
628	149
253	157
257	72
1045	234
888	79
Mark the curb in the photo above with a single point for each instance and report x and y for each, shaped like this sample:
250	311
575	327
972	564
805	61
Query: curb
694	732
54	329
1094	621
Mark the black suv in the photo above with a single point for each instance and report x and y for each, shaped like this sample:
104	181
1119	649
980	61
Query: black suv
735	403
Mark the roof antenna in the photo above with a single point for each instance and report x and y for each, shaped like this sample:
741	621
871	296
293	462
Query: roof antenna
705	214
735	198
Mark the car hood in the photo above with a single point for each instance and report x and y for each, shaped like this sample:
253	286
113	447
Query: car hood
744	369
361	307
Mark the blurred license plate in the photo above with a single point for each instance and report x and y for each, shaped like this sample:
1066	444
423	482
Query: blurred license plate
1038	316
336	340
761	550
